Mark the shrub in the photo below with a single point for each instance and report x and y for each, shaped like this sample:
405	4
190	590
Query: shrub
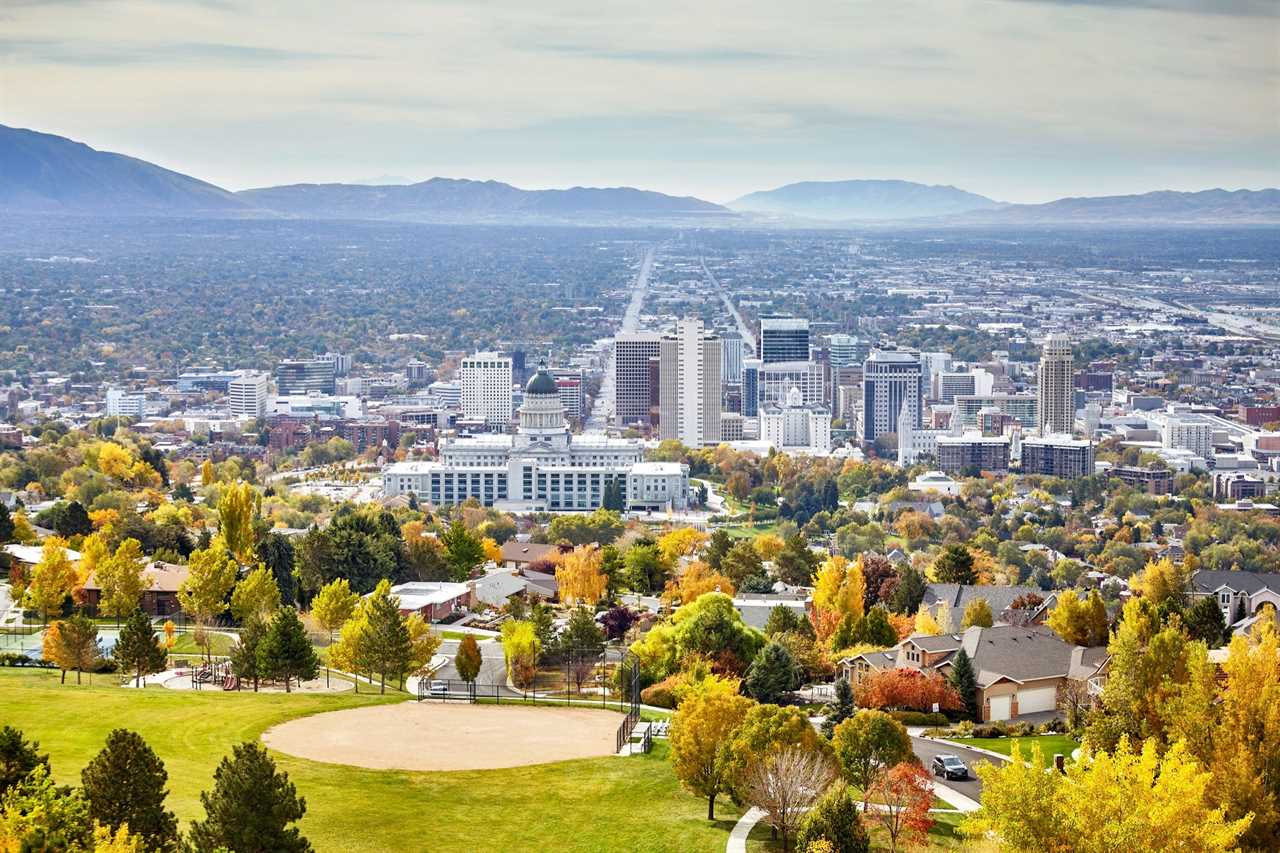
1022	729
964	728
919	718
990	730
834	818
1054	726
660	695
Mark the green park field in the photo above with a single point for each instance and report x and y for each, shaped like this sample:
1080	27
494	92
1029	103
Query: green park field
598	804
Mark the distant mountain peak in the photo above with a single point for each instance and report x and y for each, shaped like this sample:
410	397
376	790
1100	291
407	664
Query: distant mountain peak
41	172
863	200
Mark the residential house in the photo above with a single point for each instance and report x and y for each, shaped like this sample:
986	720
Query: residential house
1241	595
1019	669
160	598
999	598
520	555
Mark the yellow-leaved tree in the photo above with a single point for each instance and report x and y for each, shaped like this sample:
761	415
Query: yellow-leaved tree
926	624
839	591
202	596
768	546
492	550
1161	581
256	596
208	475
698	578
1124	800
700	733
680	542
52	578
237	512
122	580
580	576
1246	756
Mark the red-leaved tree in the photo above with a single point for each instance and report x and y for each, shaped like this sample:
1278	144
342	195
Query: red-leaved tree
907	689
900	803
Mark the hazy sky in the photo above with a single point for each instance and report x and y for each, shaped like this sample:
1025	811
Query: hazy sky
1022	100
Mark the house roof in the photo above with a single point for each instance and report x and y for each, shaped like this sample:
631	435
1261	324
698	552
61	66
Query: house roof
1016	654
420	594
496	587
1205	580
163	577
958	596
528	552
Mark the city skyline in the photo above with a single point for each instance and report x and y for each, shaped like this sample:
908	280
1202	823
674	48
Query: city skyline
1020	100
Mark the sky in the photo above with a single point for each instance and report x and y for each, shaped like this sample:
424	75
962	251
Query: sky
1020	100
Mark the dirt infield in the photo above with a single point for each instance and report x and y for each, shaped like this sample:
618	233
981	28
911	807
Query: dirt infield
436	736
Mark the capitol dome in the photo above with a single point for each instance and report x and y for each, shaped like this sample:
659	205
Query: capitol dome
542	383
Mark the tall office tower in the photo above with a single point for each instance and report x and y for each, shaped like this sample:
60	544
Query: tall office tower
247	395
485	379
689	397
519	374
934	363
418	373
890	379
947	385
784	339
844	351
1054	387
731	365
751	387
631	391
779	377
123	404
341	362
305	376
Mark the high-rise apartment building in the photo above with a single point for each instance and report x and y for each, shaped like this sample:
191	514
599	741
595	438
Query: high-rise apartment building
890	380
689	397
631	388
751	387
1054	387
341	362
124	404
777	378
1057	456
784	339
305	376
247	395
485	380
733	349
845	351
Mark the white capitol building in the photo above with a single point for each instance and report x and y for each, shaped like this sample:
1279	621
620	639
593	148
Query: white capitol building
542	467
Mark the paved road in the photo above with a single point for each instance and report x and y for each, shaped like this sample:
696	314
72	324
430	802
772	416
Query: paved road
602	408
926	750
748	339
493	667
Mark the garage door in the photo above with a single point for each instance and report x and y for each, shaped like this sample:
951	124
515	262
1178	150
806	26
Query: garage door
1000	708
1038	699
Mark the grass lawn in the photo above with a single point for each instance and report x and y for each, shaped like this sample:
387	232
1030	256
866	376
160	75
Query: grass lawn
943	836
185	644
1049	744
599	804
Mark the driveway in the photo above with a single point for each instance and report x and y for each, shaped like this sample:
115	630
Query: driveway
926	750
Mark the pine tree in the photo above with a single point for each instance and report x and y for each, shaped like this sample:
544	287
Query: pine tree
964	681
286	652
876	629
839	710
244	654
124	784
138	648
250	807
909	593
6	524
18	757
771	675
1204	622
385	647
846	633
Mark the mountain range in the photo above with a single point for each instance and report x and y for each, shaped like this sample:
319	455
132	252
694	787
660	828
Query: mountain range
43	173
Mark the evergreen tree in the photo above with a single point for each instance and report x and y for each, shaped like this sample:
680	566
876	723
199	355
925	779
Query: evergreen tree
787	620
413	501
965	682
286	652
276	553
124	784
955	565
846	633
386	647
138	648
771	675
73	520
1204	622
717	547
462	550
796	562
18	757
250	807
876	629
6	525
909	593
582	635
244	654
840	710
